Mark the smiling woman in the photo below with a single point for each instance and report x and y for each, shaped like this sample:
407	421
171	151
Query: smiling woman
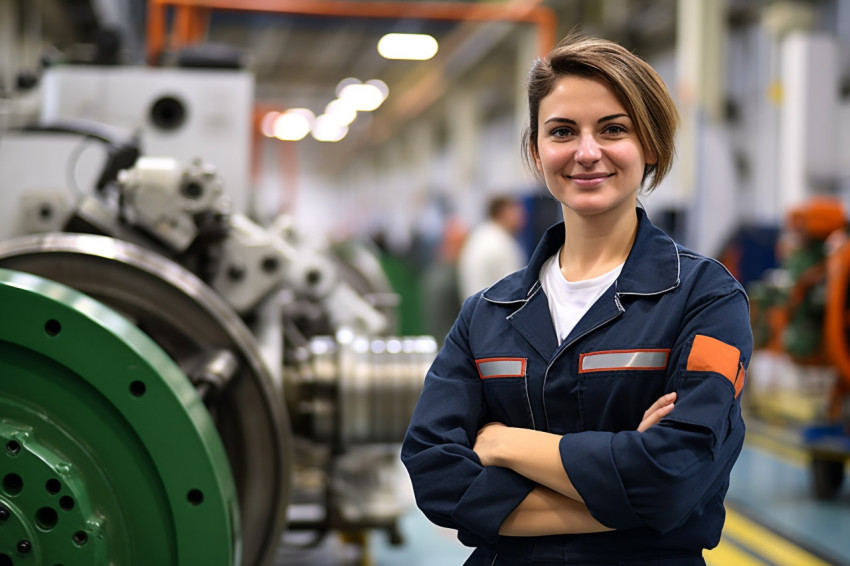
585	409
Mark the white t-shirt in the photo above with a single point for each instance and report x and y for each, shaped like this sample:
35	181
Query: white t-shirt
489	253
570	300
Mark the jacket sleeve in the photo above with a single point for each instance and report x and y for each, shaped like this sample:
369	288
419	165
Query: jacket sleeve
451	486
656	478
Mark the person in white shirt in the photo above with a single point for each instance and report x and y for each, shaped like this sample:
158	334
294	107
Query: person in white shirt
491	250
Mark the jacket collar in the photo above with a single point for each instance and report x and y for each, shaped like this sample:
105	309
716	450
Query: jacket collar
651	268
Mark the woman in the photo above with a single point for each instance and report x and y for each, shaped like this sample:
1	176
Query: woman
546	431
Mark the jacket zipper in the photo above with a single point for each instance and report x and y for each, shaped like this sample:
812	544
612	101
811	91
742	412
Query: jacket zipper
565	345
531	294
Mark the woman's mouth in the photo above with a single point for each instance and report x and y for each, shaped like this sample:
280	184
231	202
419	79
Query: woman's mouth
589	180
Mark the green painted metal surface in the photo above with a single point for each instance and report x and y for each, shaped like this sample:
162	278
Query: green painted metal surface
107	455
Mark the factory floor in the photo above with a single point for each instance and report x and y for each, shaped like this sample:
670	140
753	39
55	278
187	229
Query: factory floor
773	519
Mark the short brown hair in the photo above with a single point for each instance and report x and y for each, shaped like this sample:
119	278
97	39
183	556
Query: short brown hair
635	84
497	204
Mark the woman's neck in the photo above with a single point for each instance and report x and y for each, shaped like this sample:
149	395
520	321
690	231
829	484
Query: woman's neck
594	245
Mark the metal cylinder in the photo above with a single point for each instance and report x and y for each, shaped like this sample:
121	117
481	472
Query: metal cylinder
356	390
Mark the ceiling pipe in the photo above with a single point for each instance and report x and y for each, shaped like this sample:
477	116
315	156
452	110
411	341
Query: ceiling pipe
192	15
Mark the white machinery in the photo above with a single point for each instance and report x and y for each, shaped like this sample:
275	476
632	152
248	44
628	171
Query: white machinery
186	114
289	346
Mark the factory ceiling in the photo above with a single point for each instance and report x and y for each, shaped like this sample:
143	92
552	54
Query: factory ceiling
298	57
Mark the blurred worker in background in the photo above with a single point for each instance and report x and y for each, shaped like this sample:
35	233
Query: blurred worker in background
546	432
491	250
441	301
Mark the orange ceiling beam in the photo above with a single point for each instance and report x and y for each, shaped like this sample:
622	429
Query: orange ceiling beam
191	16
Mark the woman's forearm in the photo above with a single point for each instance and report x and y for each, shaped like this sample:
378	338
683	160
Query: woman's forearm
545	512
530	453
537	454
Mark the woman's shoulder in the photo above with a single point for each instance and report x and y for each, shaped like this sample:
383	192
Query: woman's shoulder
705	272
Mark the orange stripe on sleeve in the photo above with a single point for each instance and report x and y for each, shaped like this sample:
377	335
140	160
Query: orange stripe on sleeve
739	380
710	354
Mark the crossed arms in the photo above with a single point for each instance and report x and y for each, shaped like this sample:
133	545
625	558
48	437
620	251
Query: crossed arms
554	506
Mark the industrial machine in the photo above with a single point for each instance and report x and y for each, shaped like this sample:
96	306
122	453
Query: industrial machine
801	311
185	386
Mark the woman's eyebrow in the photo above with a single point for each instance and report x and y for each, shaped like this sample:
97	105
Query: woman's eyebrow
599	121
612	117
561	121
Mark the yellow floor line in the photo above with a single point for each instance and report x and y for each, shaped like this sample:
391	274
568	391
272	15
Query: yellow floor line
767	544
727	554
795	456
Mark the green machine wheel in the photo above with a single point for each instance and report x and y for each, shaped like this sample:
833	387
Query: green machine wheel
208	341
107	454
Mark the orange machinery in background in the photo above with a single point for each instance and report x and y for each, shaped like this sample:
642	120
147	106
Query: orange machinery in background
803	311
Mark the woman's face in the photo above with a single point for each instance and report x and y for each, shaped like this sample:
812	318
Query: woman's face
587	148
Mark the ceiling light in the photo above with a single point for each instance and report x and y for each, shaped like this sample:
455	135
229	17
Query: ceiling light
381	86
362	97
414	46
293	124
267	123
342	111
327	129
345	82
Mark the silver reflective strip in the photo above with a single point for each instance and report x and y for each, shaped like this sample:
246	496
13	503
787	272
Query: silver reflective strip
635	359
501	368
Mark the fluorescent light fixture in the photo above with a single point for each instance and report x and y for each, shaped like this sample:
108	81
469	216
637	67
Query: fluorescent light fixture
342	111
413	46
293	124
327	129
362	97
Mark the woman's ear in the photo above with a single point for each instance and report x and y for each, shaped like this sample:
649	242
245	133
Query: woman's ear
650	158
535	157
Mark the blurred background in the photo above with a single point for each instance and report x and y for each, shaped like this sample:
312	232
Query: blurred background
275	198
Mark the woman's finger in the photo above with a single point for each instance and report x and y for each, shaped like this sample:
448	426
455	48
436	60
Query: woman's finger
657	411
660	402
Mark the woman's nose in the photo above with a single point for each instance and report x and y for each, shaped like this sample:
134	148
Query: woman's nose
588	151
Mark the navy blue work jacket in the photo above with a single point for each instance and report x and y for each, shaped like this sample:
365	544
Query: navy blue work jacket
672	321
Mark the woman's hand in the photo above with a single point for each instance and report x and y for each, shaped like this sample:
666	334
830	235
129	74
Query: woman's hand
660	409
487	442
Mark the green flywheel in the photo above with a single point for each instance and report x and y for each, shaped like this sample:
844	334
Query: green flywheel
107	454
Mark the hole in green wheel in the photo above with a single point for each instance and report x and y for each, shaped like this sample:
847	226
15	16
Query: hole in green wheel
13	447
195	497
137	388
52	327
5	560
12	484
80	538
66	502
53	486
46	518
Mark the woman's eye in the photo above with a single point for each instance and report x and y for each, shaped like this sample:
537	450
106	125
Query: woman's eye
614	129
560	132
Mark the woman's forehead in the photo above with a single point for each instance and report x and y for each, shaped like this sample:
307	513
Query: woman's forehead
581	96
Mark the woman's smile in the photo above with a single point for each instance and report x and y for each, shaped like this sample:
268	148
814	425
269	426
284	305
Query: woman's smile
589	180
